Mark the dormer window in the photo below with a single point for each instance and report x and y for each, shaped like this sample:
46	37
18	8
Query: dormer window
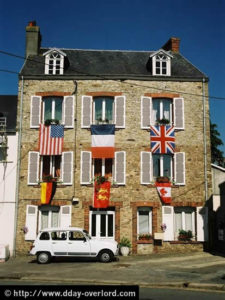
161	63
54	62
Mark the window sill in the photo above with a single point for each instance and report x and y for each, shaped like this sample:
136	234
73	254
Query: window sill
173	186
184	242
145	241
58	185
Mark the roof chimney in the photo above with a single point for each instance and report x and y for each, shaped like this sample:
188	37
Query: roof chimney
173	45
33	39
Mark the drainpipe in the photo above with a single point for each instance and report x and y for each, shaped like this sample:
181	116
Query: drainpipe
18	169
204	140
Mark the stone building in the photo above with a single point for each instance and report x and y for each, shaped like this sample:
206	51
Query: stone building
132	90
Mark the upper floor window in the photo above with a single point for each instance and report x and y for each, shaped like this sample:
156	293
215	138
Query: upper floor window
161	109
54	62
103	167
162	165
52	108
161	63
103	110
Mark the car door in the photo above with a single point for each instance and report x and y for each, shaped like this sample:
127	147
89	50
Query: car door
78	244
59	243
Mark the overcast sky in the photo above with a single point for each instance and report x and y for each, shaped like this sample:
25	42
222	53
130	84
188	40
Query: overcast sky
121	25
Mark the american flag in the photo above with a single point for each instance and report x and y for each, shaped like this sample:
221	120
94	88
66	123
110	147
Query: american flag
162	139
51	139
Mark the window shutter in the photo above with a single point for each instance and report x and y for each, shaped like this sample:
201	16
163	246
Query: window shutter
202	224
65	216
146	104
120	168
85	177
67	168
86	118
33	168
146	168
168	219
68	111
179	166
31	222
35	112
120	111
178	113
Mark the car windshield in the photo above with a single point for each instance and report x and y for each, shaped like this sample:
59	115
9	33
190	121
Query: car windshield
86	234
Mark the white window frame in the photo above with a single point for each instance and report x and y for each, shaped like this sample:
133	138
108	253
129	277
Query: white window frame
161	57
103	166
49	218
161	105
53	108
161	165
144	208
52	56
98	223
103	109
183	212
52	166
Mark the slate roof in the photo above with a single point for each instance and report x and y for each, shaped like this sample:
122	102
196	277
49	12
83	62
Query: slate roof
115	64
8	109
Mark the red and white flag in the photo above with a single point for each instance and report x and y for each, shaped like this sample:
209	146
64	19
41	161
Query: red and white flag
164	190
51	139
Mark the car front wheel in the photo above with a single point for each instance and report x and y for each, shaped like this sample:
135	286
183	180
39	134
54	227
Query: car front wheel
43	257
105	256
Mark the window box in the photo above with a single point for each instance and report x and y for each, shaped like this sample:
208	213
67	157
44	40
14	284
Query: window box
162	179
145	237
185	235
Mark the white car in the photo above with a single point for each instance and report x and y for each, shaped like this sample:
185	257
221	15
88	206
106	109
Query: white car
71	242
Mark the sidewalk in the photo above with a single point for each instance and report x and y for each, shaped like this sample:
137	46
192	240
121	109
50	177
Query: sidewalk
192	270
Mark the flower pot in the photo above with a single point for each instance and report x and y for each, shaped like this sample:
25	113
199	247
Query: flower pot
125	250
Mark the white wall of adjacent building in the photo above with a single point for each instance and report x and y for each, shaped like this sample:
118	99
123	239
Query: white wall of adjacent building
8	194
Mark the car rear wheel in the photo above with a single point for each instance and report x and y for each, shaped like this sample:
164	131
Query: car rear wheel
43	257
105	256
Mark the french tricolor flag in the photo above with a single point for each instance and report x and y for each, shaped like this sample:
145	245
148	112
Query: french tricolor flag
103	141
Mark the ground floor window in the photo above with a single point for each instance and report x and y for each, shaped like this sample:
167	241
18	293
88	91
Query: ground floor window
184	219
102	224
48	217
144	221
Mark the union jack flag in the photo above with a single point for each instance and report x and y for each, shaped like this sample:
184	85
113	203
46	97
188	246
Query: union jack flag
162	139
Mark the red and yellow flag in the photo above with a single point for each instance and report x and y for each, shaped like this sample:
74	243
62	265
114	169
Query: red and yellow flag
101	195
46	192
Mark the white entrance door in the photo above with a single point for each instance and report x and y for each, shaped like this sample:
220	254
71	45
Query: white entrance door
102	224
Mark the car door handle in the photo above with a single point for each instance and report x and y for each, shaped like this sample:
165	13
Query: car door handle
54	243
70	243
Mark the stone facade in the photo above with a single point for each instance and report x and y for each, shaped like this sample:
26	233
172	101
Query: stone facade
125	199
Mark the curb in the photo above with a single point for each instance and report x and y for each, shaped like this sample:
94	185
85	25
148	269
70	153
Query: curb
172	285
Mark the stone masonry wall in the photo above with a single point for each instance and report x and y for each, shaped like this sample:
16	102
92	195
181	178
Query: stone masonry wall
132	139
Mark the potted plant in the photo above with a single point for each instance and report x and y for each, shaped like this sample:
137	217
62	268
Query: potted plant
145	236
163	121
49	122
185	235
163	179
125	246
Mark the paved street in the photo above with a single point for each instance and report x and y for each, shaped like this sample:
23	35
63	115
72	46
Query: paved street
193	270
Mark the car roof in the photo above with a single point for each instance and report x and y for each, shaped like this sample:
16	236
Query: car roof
62	229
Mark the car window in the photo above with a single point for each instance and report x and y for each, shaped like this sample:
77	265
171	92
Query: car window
44	236
76	236
59	235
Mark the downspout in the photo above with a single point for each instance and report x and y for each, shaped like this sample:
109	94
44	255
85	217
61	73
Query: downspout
18	169
204	140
